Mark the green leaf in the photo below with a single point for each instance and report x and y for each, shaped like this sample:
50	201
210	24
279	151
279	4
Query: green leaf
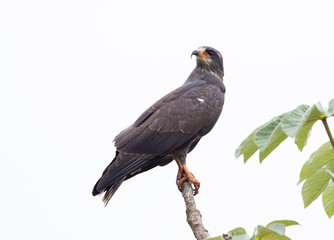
240	237
238	230
274	236
284	222
318	159
330	111
215	238
269	137
274	141
263	133
264	233
314	186
313	114
291	121
308	169
247	147
329	168
328	199
261	231
277	227
238	234
297	123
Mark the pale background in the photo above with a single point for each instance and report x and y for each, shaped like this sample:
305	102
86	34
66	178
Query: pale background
73	74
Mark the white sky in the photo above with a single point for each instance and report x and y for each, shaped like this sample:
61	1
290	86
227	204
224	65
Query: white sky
73	74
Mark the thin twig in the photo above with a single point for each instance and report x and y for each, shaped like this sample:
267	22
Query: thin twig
194	217
324	121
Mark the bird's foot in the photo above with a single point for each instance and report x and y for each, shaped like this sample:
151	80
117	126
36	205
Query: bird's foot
187	175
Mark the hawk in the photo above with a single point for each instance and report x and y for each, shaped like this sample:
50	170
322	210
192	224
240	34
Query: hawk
170	128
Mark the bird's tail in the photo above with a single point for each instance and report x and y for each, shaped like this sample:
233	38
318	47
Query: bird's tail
116	173
108	193
111	191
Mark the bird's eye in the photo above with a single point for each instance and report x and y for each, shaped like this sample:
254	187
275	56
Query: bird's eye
210	52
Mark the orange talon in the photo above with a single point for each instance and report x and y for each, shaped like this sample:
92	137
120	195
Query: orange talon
190	177
184	174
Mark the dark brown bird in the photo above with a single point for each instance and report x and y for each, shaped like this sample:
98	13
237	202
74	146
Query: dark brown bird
170	128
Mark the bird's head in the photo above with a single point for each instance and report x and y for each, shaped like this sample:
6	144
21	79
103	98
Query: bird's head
210	60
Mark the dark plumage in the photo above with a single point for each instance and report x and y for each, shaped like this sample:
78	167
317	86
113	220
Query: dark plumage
170	128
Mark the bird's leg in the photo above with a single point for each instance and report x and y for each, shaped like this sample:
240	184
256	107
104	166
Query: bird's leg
180	171
184	174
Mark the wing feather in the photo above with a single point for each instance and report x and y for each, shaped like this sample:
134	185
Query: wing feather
167	125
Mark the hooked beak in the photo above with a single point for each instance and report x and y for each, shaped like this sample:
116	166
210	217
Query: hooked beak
200	53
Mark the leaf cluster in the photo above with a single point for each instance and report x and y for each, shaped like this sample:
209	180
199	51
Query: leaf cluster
318	170
272	231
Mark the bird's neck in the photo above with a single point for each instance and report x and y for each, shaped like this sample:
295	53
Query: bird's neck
200	73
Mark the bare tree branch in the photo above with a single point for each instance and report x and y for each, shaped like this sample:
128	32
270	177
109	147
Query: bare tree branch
194	217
